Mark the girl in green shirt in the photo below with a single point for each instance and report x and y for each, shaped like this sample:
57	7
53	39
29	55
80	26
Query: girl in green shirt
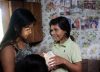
67	53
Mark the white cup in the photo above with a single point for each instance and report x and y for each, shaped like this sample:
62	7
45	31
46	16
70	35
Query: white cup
48	55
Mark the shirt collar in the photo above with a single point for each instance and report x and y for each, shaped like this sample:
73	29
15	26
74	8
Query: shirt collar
65	43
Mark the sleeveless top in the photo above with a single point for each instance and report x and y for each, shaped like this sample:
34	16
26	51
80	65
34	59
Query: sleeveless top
21	53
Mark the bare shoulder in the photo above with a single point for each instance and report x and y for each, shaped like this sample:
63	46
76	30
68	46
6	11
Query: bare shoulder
8	48
8	51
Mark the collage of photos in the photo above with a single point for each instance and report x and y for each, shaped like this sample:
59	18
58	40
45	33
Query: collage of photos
89	4
61	6
69	7
87	22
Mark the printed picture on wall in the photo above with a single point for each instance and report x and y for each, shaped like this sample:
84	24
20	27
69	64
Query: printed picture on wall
76	24
61	6
89	22
76	7
85	23
50	6
90	4
94	23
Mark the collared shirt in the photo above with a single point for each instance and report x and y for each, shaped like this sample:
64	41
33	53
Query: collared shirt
68	50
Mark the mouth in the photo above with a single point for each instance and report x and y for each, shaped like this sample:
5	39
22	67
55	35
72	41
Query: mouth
55	37
30	38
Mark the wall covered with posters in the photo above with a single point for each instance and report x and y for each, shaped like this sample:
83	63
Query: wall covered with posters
84	16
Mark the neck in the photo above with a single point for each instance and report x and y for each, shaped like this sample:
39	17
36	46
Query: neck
20	43
63	40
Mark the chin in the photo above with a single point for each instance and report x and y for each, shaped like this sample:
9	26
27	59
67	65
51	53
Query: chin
56	40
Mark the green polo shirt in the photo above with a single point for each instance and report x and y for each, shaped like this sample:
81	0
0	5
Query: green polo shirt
68	50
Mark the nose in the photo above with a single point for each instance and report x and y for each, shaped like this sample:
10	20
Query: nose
30	30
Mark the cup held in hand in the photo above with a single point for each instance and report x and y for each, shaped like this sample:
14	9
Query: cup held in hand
48	55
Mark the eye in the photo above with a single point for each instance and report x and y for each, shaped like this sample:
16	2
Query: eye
51	30
27	26
56	30
27	29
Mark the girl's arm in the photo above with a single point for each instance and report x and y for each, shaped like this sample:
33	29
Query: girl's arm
8	59
72	67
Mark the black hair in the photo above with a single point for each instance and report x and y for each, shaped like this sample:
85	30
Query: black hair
32	63
72	38
20	18
63	23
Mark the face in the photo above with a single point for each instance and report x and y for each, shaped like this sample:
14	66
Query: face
77	23
26	31
93	25
57	33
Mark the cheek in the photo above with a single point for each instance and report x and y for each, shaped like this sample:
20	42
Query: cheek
61	33
25	34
